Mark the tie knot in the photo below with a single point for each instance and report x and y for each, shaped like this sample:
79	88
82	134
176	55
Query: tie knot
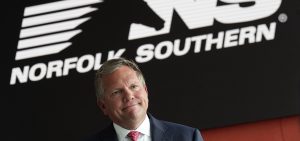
133	135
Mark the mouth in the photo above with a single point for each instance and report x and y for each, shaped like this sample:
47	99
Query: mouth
127	107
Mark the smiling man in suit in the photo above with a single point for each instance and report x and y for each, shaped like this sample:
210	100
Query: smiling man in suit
122	96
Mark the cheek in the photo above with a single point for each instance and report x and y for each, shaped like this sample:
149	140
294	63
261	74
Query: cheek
116	103
143	95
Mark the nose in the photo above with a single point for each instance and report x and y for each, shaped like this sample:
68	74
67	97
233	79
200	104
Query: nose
128	95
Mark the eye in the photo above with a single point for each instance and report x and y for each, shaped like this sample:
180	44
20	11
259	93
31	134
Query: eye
134	87
116	92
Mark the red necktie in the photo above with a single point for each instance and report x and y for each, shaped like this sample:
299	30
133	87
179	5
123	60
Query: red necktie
133	135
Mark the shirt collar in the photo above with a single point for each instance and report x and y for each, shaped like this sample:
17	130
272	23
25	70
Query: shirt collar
144	128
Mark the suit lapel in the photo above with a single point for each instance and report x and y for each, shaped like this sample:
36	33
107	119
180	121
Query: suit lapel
158	129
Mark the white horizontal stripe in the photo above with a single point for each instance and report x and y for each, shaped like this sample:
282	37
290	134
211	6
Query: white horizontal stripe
50	28
41	51
48	39
54	6
57	16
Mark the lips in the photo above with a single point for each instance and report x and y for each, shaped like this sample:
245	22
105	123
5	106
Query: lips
128	106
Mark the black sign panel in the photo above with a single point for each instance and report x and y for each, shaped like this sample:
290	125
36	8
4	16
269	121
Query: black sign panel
207	64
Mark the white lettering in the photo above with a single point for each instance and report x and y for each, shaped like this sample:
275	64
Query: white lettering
69	64
113	55
55	67
145	53
231	38
37	72
159	54
210	41
80	64
185	49
247	33
17	73
198	42
98	61
224	39
60	68
269	34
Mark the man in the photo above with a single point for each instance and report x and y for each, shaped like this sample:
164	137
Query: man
122	96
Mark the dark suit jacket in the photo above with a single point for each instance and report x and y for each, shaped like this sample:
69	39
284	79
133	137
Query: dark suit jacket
160	131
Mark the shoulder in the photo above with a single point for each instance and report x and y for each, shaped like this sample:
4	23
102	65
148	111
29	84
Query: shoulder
180	132
178	127
168	125
175	131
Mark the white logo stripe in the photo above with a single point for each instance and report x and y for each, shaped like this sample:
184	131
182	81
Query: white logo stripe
54	6
41	51
50	28
57	16
48	39
51	23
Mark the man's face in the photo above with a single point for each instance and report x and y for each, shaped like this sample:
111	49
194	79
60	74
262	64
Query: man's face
125	98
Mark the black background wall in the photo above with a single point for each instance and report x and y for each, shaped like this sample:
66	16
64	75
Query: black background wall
207	89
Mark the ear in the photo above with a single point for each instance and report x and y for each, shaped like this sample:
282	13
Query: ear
146	89
102	106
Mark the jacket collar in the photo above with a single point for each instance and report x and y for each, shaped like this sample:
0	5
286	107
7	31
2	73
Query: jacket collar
158	129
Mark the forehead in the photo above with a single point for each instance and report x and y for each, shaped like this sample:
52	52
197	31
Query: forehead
123	74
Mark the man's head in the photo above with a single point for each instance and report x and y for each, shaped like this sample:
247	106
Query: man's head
122	93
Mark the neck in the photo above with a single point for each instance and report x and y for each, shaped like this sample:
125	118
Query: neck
132	124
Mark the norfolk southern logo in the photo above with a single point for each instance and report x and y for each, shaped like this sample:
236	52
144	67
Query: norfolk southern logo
47	29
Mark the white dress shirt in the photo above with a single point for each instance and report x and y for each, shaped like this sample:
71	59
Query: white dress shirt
144	130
